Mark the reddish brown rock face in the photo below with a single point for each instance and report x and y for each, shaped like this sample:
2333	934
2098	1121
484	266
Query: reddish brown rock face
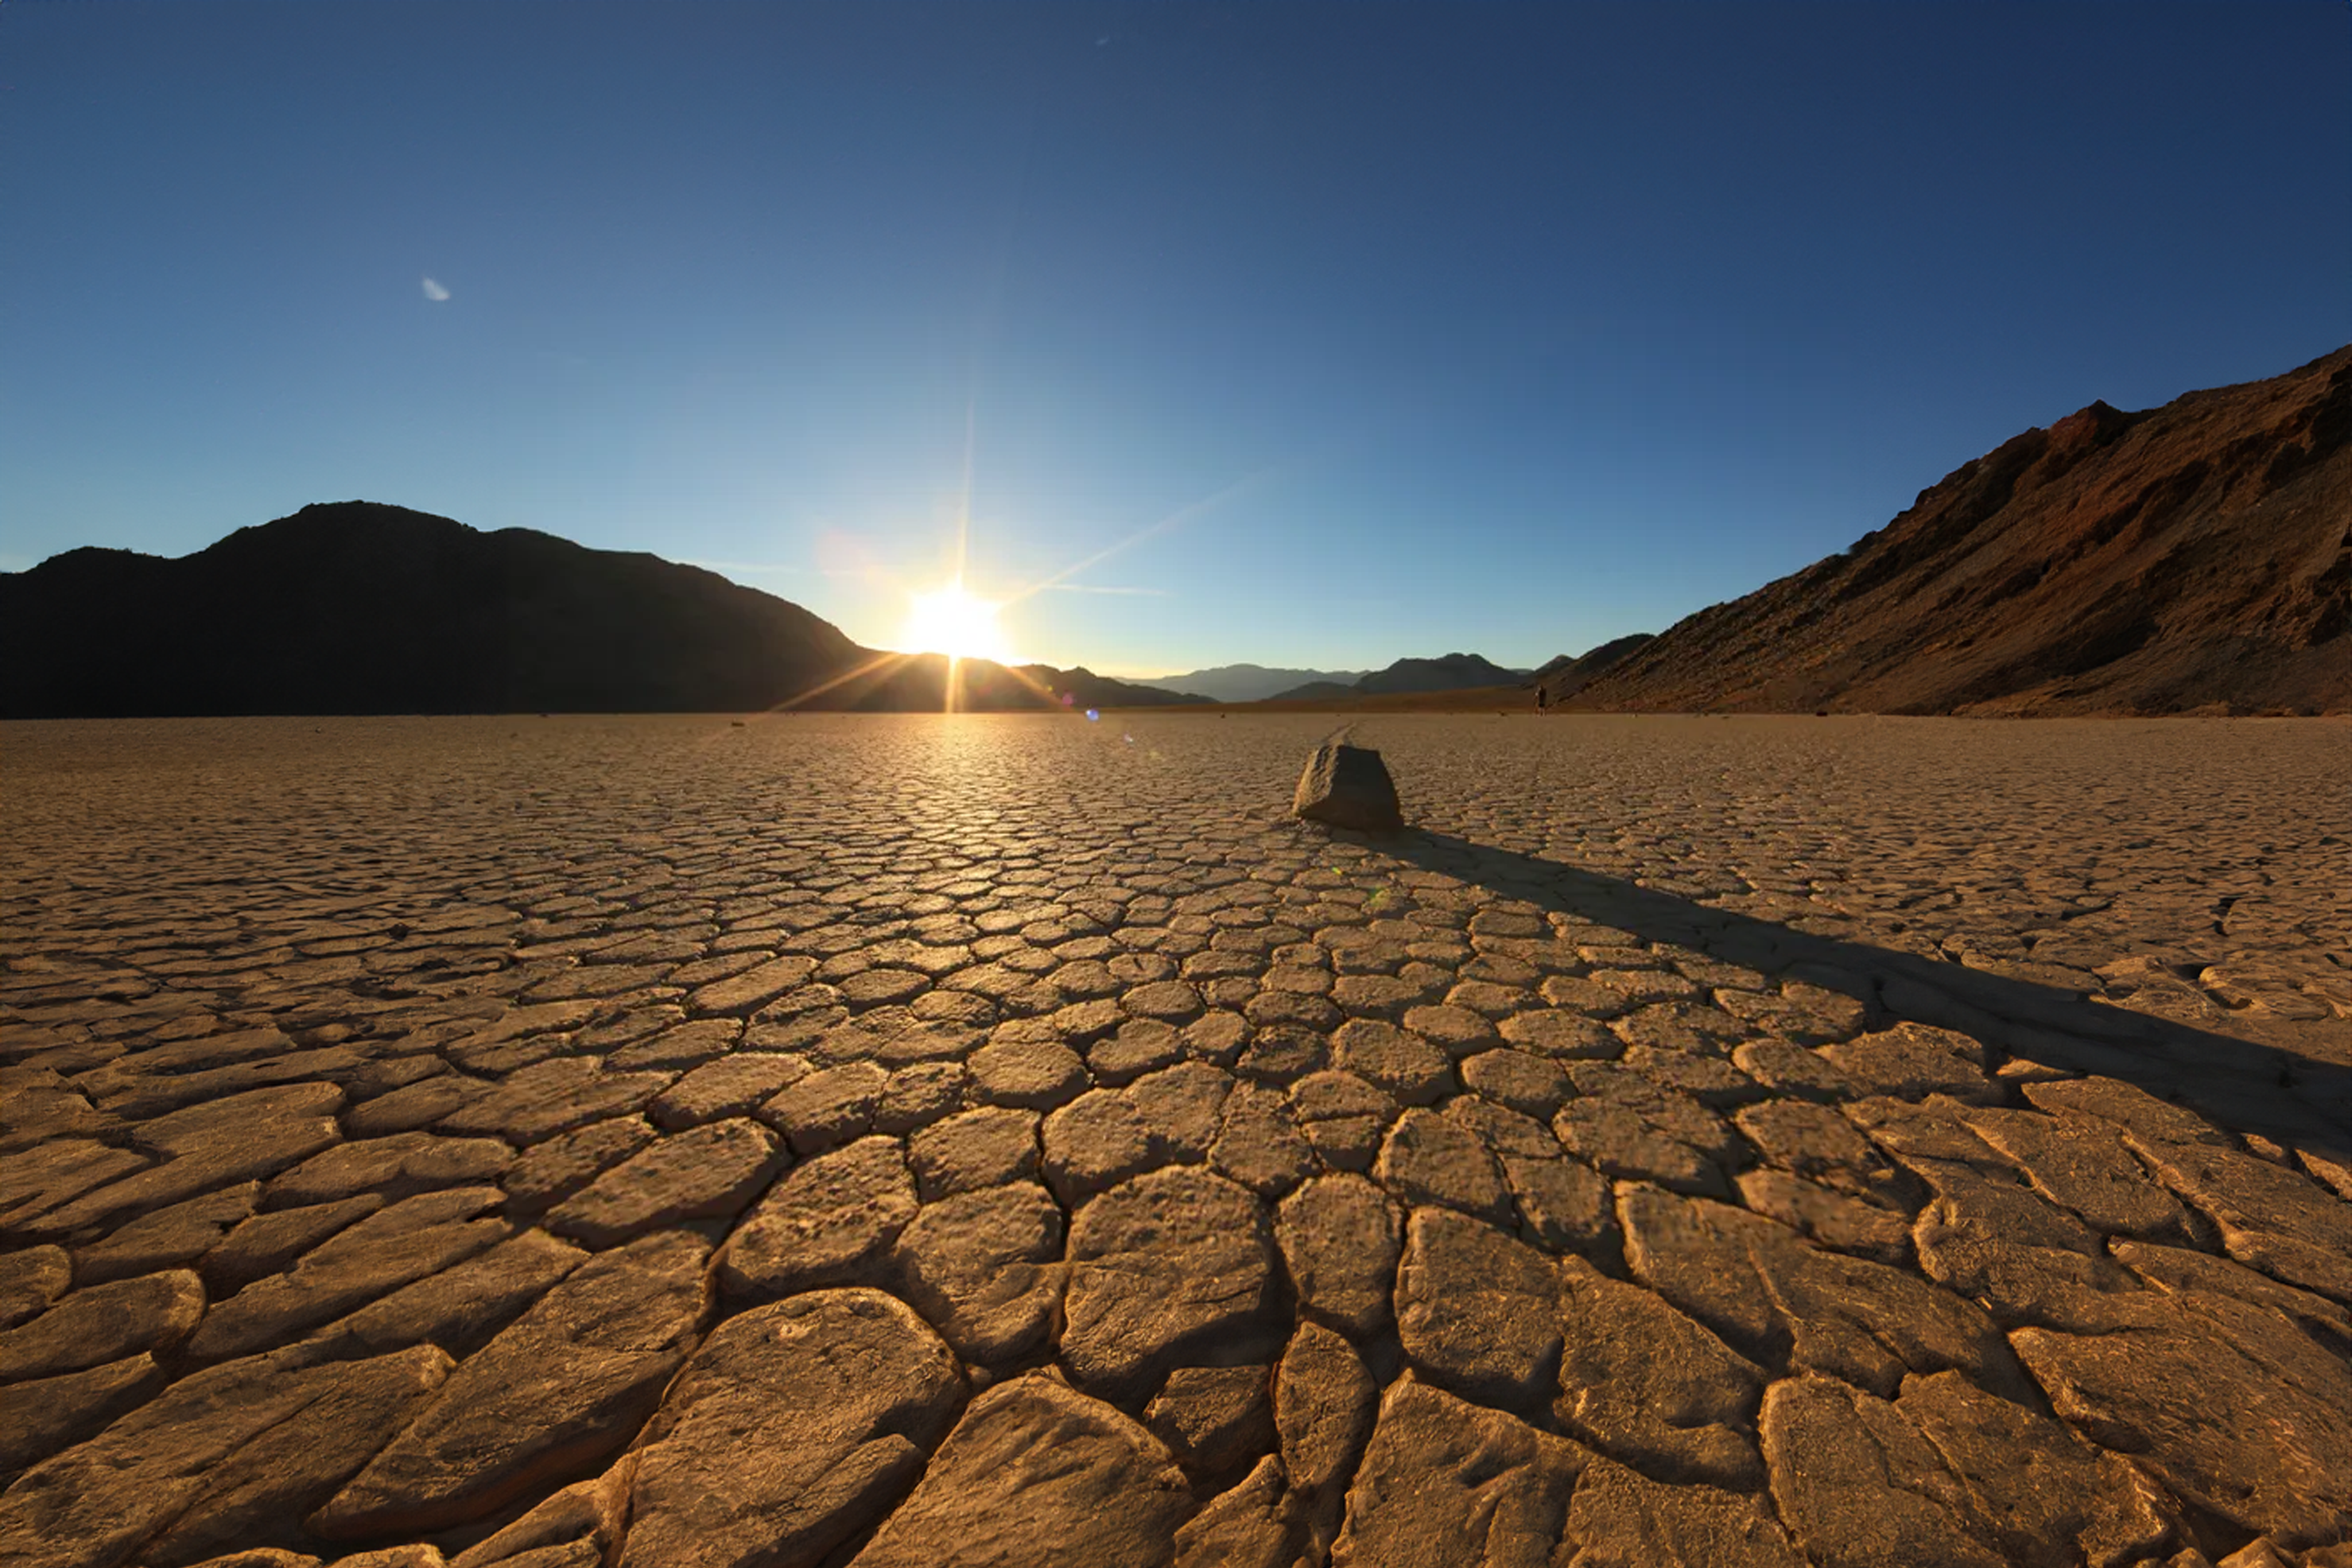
2190	557
1745	1141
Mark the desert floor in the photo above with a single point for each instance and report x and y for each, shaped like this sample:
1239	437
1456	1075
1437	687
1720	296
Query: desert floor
921	1140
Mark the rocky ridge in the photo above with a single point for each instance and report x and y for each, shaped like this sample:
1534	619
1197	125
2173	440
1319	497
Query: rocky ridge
2193	558
1565	676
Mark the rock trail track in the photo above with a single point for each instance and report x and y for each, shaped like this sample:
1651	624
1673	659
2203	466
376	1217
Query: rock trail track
1012	1140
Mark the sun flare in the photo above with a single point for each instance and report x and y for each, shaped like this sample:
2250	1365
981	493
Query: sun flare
950	621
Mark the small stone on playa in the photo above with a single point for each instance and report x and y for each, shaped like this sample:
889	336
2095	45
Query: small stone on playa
1348	786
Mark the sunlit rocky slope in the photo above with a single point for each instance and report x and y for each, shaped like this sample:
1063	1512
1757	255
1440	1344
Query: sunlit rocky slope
2192	557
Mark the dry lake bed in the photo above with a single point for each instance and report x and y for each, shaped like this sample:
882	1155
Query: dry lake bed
1013	1139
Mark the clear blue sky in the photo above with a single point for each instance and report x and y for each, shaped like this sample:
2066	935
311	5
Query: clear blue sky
1308	333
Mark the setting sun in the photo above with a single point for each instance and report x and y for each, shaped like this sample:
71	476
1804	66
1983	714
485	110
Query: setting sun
953	622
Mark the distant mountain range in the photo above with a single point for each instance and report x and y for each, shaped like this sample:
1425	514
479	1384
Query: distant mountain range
356	607
2196	557
1249	682
1448	672
2192	557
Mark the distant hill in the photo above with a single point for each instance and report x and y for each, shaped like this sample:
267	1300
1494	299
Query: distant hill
1084	688
356	607
1316	692
1451	672
1248	682
2192	557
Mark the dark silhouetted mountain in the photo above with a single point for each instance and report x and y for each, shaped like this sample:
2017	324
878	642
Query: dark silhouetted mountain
1451	672
360	609
1564	677
1248	682
2192	557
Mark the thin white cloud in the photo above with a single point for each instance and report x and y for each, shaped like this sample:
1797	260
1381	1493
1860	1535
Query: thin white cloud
1100	588
433	292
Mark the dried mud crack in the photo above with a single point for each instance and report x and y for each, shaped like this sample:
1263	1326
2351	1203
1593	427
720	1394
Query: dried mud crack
1009	1140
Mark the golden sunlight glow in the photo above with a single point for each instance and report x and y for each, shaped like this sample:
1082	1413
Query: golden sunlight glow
950	621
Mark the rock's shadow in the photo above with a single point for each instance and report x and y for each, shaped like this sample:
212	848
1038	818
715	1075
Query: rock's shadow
2243	1085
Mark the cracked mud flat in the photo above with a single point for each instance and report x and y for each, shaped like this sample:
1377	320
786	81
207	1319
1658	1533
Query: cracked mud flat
1012	1141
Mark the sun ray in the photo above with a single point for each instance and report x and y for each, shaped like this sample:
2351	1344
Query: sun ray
1209	502
871	665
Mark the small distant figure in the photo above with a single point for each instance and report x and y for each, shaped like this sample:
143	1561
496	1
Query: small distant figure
1542	701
